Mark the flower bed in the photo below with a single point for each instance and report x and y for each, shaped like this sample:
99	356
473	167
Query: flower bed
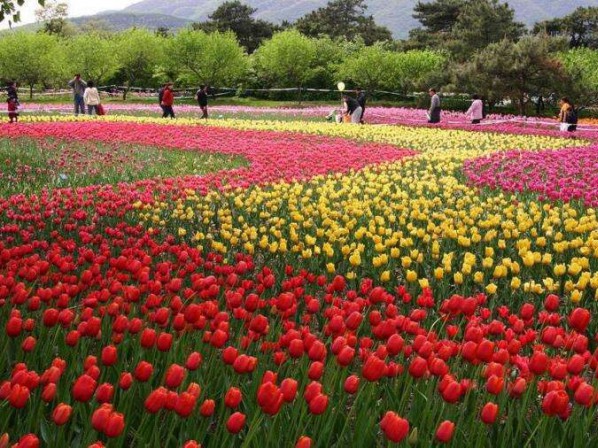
337	291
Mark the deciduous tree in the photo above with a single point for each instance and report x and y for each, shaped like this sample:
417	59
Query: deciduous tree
207	58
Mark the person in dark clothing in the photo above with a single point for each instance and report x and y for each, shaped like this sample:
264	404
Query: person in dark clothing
161	96
434	111
202	100
13	102
353	109
361	99
168	101
539	105
78	86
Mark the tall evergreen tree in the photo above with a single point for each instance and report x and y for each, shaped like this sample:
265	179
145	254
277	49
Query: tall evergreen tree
343	19
580	27
237	17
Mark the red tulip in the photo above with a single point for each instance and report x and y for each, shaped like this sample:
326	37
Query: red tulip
235	423
99	418
233	398
104	393
185	404
351	384
97	444
418	367
148	338
19	396
84	388
49	392
555	402
579	319
155	400
394	427
288	387
164	342
318	404
269	398
538	363
585	394
303	442
28	344
489	413
143	371
495	384
315	371
373	369
314	388
27	441
191	444
125	381
174	376
115	425
207	408
444	432
551	303
193	362
451	393
109	355
61	414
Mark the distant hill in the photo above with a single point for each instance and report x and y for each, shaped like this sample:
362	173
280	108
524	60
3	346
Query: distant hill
119	21
122	20
395	14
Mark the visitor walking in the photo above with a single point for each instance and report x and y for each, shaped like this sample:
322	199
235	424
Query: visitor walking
78	86
567	115
434	111
167	101
202	100
91	97
161	96
361	99
12	102
476	110
352	109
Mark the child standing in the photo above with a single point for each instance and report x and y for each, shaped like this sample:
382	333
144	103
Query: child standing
13	102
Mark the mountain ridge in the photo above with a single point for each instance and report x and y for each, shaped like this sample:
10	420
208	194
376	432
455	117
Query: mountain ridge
395	14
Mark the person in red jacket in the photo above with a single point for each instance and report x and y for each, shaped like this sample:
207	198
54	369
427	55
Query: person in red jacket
167	101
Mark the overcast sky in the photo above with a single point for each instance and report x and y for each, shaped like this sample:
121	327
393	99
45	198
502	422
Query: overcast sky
76	8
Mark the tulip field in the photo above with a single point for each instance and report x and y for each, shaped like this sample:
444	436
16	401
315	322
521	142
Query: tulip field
297	283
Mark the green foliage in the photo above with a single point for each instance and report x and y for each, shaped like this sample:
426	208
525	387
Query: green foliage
237	17
376	68
92	55
438	16
54	18
288	59
138	52
31	58
463	26
9	9
582	66
482	22
201	58
514	70
31	166
343	19
580	27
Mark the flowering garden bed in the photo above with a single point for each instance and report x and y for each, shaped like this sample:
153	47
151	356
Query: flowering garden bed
354	286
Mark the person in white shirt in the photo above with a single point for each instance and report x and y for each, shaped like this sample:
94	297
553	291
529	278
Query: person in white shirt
92	98
476	110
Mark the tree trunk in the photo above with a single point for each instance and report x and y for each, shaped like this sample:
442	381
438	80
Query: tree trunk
30	92
299	95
